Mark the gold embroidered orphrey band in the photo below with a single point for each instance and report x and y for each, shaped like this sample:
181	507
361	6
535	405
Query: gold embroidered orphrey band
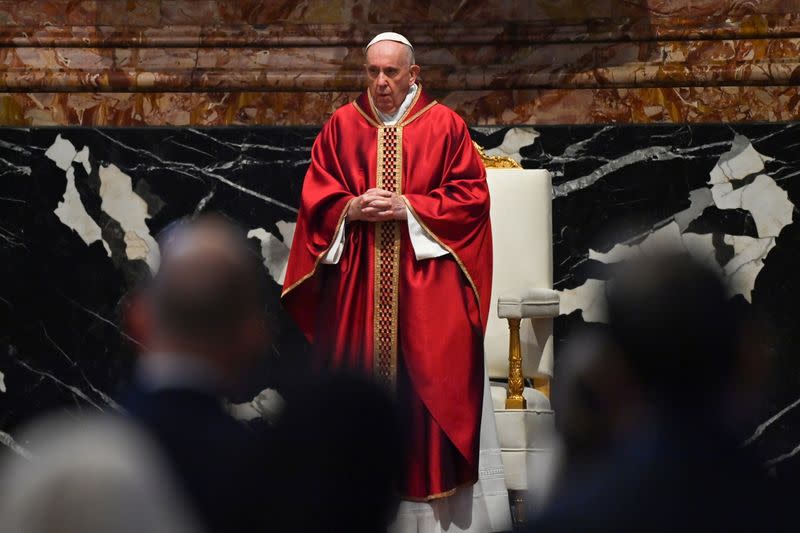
387	257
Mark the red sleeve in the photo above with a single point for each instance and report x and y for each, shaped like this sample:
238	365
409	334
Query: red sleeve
323	205
456	214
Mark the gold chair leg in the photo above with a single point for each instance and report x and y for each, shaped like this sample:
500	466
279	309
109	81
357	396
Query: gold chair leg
516	383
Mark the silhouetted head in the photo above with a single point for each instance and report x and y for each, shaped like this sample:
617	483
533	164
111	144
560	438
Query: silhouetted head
206	299
675	328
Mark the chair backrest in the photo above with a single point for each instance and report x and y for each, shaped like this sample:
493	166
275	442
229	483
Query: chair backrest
521	214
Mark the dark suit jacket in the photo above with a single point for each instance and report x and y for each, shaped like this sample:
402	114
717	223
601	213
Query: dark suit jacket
219	461
686	477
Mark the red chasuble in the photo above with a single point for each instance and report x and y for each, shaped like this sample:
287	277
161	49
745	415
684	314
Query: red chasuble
416	325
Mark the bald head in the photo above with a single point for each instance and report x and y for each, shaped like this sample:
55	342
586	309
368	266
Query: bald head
208	281
671	317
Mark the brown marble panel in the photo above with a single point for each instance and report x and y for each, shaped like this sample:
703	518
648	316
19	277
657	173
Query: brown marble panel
502	107
129	13
328	58
351	12
191	12
181	60
267	108
330	68
717	8
212	62
266	11
131	33
48	12
150	13
562	57
310	81
634	105
260	12
56	60
447	11
573	11
168	109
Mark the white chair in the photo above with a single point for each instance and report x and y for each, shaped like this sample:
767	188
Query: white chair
519	335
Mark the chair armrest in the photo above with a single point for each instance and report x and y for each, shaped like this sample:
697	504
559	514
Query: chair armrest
530	303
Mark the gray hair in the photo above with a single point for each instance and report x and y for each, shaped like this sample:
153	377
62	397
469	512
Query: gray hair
409	53
411	59
94	475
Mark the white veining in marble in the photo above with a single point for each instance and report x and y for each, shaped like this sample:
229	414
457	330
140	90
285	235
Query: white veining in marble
763	426
274	250
61	152
268	404
514	140
82	157
244	146
650	153
13	169
763	198
122	204
700	246
768	204
781	458
72	213
118	200
71	388
12	239
8	441
20	149
748	260
589	298
740	161
103	319
70	210
489	130
103	396
699	199
193	171
204	201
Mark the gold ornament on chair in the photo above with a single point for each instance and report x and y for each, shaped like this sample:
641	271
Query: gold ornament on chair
516	382
495	161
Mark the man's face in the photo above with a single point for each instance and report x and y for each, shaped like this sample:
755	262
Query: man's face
389	74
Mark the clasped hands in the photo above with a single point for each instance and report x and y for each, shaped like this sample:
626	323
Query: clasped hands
377	205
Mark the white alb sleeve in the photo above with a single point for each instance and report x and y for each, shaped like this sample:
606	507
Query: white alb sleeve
424	246
334	253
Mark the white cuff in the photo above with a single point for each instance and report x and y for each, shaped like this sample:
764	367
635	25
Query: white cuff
334	253
424	246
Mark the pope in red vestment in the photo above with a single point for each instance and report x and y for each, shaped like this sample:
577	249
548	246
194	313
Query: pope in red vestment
415	324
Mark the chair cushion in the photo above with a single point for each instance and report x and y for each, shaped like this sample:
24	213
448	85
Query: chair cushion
532	303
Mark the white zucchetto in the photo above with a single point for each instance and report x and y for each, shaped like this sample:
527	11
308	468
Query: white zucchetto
389	36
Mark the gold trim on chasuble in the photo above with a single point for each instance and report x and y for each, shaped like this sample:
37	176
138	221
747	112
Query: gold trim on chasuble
342	216
386	280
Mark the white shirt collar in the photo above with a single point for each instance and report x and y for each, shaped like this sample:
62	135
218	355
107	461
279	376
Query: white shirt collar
391	120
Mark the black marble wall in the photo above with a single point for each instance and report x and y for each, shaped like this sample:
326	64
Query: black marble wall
79	210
